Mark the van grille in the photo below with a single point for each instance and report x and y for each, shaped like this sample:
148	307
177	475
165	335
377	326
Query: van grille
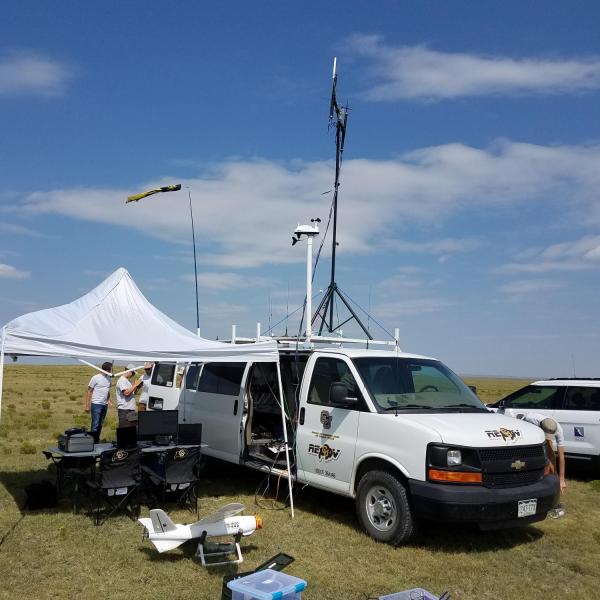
499	470
517	452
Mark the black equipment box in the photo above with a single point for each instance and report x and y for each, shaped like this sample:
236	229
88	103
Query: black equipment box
76	442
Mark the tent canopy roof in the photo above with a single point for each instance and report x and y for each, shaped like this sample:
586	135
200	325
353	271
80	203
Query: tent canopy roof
115	320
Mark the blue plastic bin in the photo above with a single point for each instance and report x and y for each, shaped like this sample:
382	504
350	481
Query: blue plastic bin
267	585
414	594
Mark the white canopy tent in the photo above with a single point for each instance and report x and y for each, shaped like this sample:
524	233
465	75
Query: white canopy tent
116	321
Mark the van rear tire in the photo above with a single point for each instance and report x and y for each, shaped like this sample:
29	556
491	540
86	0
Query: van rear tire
383	508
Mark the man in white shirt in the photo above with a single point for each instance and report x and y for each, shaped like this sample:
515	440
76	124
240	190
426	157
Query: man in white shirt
97	399
145	381
126	398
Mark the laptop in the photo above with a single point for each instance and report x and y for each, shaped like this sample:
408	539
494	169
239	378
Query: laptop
189	433
126	437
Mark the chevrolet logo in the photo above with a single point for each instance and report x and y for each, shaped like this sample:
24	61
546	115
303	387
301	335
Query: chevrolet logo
517	465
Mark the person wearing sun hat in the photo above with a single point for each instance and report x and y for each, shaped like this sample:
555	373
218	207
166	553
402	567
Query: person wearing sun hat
126	398
145	382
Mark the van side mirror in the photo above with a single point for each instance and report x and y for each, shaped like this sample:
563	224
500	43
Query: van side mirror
338	396
473	388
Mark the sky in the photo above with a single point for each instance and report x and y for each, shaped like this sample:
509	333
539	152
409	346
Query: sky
469	205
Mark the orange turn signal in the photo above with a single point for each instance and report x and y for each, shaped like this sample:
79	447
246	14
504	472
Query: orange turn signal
454	476
548	469
258	522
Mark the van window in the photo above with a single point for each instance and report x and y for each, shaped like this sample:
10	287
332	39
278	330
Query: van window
222	378
163	374
536	397
583	398
191	377
327	371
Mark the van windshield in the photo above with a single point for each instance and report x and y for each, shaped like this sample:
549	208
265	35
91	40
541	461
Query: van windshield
396	383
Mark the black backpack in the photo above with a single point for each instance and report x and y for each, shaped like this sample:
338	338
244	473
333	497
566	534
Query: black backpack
41	494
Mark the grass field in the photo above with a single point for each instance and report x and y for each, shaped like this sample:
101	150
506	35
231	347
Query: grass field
58	554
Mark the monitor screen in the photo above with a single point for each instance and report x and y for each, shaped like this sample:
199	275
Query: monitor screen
189	433
157	422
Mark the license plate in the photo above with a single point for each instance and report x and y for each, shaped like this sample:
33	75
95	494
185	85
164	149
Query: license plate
526	508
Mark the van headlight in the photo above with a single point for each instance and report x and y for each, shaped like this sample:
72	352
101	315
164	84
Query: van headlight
454	458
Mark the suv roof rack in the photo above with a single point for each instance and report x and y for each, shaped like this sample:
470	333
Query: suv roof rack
571	379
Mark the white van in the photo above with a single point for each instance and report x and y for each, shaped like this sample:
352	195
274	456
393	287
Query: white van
399	433
573	402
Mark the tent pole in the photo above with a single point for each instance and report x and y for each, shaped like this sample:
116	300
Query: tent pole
2	366
89	364
285	437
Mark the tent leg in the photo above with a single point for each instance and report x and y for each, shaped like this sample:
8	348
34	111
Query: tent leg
285	437
2	366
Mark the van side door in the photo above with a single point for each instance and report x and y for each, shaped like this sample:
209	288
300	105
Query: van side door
217	403
326	434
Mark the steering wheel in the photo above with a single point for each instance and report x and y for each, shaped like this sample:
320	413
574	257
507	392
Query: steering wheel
428	388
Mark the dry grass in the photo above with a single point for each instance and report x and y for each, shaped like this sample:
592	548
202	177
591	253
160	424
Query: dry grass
57	554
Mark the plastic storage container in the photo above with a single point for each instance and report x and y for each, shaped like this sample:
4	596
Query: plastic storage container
267	585
414	594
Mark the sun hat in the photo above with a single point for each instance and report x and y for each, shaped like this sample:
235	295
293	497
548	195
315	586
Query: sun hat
549	426
148	365
131	367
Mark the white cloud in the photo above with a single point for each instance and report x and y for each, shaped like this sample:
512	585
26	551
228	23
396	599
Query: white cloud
27	73
16	229
408	72
409	306
10	272
225	281
577	255
245	211
529	286
444	246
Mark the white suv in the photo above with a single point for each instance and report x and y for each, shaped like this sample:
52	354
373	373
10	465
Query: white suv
574	403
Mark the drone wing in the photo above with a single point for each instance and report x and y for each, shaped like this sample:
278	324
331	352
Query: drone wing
229	510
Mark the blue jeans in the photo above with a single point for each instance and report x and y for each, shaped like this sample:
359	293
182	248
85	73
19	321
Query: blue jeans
98	413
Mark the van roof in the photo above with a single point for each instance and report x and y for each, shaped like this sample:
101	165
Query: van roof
364	352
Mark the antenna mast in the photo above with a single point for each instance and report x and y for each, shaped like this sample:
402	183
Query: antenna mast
339	114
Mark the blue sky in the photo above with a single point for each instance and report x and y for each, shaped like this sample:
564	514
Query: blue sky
469	205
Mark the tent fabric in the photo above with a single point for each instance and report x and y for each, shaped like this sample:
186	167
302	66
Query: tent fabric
116	321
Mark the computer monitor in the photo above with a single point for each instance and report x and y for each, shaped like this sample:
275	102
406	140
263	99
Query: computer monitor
126	437
157	425
189	433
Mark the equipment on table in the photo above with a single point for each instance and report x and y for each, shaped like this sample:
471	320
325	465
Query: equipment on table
76	440
189	433
126	437
158	426
166	535
277	563
267	585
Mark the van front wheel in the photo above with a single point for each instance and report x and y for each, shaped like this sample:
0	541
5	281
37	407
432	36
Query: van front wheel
384	509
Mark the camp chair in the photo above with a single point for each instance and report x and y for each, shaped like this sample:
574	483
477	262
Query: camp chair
174	471
71	474
116	484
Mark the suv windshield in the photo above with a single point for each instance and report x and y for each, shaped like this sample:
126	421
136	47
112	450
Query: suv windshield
396	383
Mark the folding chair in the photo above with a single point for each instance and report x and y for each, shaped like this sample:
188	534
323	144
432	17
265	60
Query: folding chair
174	471
116	484
71	472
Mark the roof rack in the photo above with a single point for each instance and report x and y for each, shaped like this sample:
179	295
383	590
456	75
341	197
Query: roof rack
572	379
311	341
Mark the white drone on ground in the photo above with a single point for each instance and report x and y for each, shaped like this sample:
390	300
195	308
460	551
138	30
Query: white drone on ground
166	535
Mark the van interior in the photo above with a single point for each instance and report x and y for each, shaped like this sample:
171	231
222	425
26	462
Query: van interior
264	427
